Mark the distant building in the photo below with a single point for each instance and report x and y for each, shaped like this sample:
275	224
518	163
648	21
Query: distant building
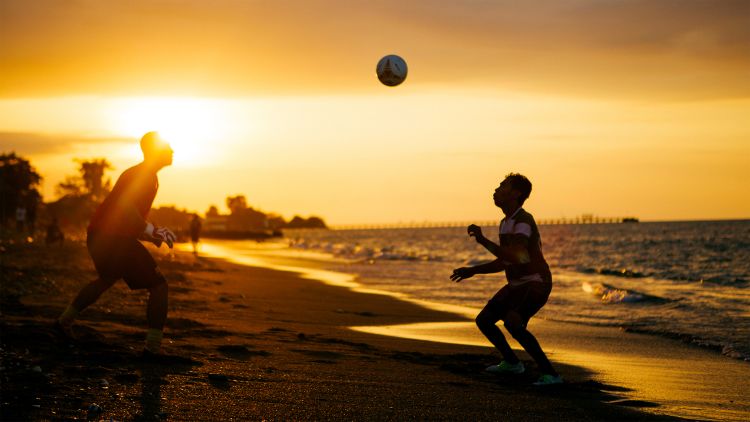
216	223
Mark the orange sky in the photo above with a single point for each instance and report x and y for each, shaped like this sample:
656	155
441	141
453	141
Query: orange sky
610	107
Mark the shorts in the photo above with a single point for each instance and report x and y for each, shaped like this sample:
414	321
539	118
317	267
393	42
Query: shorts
526	299
120	257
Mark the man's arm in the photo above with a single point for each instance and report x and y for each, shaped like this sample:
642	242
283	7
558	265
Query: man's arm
462	273
495	266
515	253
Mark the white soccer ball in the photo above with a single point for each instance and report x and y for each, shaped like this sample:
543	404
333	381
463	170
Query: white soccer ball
391	70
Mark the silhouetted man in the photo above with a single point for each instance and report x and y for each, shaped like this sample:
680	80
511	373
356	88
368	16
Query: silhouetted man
113	244
519	254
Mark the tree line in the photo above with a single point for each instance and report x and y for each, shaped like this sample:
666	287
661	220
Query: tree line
79	195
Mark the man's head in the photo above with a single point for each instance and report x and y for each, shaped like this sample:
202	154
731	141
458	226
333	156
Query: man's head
156	150
513	191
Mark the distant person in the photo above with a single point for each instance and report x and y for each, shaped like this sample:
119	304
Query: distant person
195	232
519	254
20	219
113	244
54	234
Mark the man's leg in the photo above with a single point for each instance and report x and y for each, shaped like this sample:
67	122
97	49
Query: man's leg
156	315
88	295
487	323
514	324
143	273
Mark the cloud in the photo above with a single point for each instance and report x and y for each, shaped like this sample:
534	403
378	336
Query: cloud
26	143
656	48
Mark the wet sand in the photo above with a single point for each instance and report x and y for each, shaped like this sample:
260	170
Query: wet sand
258	343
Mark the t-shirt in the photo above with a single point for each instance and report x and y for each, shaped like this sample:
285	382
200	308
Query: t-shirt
520	229
125	209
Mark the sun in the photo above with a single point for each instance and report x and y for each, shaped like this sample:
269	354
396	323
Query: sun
192	126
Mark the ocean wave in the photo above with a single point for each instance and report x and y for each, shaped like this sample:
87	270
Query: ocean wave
363	253
612	294
627	273
674	274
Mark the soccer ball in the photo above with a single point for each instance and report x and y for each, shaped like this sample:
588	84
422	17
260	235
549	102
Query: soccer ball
391	70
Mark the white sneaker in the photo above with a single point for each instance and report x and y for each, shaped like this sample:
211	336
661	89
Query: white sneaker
506	368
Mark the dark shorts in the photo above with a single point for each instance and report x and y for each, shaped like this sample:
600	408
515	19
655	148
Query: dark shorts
526	299
120	257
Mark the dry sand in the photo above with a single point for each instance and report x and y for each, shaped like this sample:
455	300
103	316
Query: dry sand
258	343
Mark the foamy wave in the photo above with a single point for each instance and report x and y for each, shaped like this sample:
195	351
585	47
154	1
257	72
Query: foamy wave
361	253
611	294
624	272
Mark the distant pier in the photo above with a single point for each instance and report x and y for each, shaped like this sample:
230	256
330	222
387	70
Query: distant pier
583	219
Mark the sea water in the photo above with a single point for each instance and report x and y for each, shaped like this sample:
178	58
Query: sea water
684	280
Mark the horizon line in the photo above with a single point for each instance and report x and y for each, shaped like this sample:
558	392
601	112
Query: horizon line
543	221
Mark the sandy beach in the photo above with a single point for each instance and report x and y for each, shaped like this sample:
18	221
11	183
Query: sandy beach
255	342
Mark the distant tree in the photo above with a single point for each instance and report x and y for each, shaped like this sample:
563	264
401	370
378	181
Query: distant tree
236	204
316	223
90	180
244	217
212	211
18	185
311	223
80	194
92	173
71	186
296	222
275	221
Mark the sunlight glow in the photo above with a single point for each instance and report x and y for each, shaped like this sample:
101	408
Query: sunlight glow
191	125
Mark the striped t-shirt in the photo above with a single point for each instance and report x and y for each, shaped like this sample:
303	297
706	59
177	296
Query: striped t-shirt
520	229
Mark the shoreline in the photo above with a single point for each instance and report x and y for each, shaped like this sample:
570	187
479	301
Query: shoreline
248	342
679	389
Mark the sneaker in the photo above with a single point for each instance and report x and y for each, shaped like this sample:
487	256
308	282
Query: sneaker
548	379
506	368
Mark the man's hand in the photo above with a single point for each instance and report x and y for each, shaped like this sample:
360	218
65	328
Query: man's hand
475	232
462	274
160	234
165	235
